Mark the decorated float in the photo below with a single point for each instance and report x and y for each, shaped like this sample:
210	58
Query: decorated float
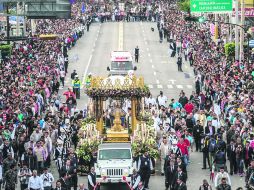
116	114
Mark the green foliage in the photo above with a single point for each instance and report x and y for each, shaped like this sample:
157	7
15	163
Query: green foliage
230	49
184	6
5	50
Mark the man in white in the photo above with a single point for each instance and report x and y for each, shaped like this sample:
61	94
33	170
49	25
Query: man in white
162	100
220	175
164	149
35	182
47	179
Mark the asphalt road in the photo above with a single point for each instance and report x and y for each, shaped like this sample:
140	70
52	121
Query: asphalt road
92	54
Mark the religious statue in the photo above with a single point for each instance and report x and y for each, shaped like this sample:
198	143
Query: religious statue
117	127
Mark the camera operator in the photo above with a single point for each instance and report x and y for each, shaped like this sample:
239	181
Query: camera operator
47	179
24	174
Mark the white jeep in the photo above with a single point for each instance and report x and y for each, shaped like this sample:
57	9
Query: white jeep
114	163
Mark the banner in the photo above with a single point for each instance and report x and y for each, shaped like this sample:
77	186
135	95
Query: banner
249	12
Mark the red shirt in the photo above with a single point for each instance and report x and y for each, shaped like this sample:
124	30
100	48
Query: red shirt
189	107
183	148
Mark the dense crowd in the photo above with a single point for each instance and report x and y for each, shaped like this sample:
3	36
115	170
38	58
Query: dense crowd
218	115
34	121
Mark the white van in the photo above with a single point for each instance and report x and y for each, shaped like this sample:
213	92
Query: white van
121	63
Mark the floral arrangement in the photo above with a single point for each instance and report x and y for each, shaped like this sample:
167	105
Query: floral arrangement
144	140
88	148
89	139
124	93
146	117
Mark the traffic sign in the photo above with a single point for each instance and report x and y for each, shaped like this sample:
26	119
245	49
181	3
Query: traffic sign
211	6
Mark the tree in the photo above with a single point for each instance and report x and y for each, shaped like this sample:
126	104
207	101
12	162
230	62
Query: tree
184	6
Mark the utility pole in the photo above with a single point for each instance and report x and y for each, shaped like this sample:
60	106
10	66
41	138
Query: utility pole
216	31
242	31
236	32
17	19
7	24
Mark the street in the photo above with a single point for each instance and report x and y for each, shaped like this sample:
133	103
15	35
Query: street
92	54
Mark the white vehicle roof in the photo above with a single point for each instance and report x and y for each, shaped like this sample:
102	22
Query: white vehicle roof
121	56
115	146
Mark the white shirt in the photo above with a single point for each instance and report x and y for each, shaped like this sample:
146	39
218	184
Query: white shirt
91	180
49	179
1	172
162	100
35	183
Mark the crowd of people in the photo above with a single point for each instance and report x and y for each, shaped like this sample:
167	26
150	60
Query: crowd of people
36	126
217	117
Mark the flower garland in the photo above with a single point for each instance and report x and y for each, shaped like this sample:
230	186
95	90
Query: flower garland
124	93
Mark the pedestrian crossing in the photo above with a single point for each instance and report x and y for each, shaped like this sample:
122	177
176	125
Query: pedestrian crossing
169	86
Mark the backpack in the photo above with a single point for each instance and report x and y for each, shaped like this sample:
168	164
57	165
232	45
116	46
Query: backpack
212	146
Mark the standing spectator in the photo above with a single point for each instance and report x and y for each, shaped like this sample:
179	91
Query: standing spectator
35	182
164	150
47	179
205	186
232	157
24	174
198	132
247	154
170	174
145	167
162	100
136	54
179	64
223	185
41	155
29	159
91	179
10	178
222	174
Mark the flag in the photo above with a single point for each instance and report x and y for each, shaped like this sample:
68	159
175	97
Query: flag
83	9
72	1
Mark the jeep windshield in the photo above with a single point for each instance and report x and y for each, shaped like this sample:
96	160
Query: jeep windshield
111	154
121	65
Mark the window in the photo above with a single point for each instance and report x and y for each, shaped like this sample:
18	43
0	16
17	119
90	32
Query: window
121	65
109	154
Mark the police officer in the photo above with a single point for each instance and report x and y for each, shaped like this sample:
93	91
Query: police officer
145	167
88	80
135	180
136	54
92	179
76	86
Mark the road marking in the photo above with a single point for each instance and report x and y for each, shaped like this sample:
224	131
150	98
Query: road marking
154	73
179	86
159	86
172	81
120	37
151	60
157	81
149	54
189	86
150	86
153	66
164	61
170	86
